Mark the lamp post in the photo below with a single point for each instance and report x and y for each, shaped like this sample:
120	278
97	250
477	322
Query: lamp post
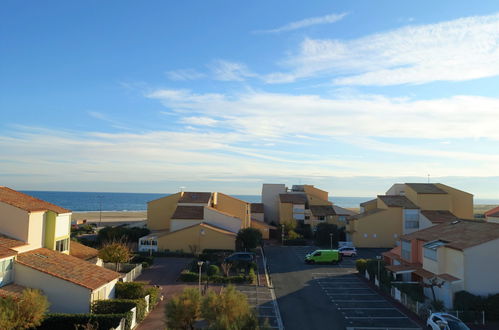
201	233
331	239
100	209
200	265
150	246
282	234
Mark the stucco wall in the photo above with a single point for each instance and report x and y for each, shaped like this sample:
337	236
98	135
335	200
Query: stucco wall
462	202
285	212
110	291
434	202
481	268
63	225
36	235
319	196
257	216
381	229
160	211
262	228
221	220
235	207
64	296
180	240
270	200
14	222
179	224
453	262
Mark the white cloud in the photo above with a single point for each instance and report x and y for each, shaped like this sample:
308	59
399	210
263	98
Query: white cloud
331	18
184	74
230	71
457	50
199	121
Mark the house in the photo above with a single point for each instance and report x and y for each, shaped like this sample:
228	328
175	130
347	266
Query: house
492	215
35	252
406	208
457	255
304	204
194	221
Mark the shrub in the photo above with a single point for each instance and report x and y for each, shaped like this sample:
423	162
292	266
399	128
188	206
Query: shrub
213	270
188	276
24	312
121	233
322	237
120	306
115	252
70	321
437	305
183	310
492	307
414	291
293	235
361	265
168	254
465	301
211	257
248	238
304	230
252	276
229	279
154	294
140	259
130	290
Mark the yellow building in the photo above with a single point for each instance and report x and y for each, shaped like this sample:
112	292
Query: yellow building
194	221
404	209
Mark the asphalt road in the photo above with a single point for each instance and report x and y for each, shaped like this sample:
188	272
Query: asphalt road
328	296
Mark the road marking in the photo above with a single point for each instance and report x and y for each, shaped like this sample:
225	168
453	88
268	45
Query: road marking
351	294
358	301
376	317
368	308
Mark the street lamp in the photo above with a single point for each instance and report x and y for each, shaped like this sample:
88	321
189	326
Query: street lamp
201	233
200	264
100	208
331	239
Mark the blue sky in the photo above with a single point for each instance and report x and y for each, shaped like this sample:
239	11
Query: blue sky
222	95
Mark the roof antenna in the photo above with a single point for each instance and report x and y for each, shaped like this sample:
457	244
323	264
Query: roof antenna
182	189
428	178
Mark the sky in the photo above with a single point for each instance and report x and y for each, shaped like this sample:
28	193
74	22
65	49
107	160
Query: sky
351	96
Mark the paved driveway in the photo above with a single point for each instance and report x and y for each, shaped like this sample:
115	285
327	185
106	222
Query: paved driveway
164	273
328	296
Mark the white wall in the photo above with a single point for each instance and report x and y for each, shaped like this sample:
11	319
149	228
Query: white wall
108	289
221	220
63	224
481	266
36	235
14	222
493	219
64	296
424	222
179	224
270	200
257	216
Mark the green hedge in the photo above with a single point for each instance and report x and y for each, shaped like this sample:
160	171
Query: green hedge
110	306
361	265
229	279
70	321
414	291
154	294
146	261
466	301
213	270
188	276
130	290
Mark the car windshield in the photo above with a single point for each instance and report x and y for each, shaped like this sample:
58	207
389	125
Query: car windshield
455	324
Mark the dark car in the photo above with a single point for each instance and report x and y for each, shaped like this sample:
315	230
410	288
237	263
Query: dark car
241	256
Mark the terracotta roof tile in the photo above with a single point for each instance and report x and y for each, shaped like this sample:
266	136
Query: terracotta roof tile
398	201
67	267
195	197
449	277
293	198
426	188
9	242
492	213
189	212
27	202
81	251
460	234
257	208
11	290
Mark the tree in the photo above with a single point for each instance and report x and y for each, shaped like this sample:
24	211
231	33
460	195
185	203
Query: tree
434	282
182	311
24	312
322	231
248	238
115	252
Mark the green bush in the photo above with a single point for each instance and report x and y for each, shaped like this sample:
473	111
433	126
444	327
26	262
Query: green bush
154	294
304	230
248	238
414	291
229	279
117	306
211	257
322	237
252	276
465	301
361	265
140	259
70	321
130	290
492	307
213	270
188	276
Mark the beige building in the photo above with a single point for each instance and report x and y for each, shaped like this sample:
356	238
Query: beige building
404	210
459	254
35	253
194	221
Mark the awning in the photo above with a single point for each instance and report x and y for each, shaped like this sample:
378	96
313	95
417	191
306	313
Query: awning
401	269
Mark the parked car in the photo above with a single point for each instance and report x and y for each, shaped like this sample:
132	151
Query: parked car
323	256
241	256
348	251
444	321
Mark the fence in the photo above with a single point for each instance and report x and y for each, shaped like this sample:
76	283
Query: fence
129	272
122	325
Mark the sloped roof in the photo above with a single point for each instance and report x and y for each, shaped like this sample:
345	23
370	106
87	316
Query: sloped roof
365	214
9	242
206	225
256	207
368	202
439	216
322	210
492	213
426	188
459	234
27	202
398	201
81	251
11	290
189	212
195	197
342	211
293	198
67	267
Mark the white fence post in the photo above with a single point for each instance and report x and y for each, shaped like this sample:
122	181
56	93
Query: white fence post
134	317
147	303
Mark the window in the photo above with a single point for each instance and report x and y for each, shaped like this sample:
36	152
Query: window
406	250
321	218
411	219
342	218
62	245
430	249
6	271
317	254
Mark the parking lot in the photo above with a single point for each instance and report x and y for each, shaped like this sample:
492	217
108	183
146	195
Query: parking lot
361	307
260	298
329	296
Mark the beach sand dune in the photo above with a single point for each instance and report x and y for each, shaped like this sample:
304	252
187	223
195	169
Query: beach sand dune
110	216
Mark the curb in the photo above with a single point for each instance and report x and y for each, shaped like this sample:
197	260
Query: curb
272	293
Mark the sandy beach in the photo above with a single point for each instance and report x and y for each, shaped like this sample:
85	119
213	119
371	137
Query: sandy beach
110	216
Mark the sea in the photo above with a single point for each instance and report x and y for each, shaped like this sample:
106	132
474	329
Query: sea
108	201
